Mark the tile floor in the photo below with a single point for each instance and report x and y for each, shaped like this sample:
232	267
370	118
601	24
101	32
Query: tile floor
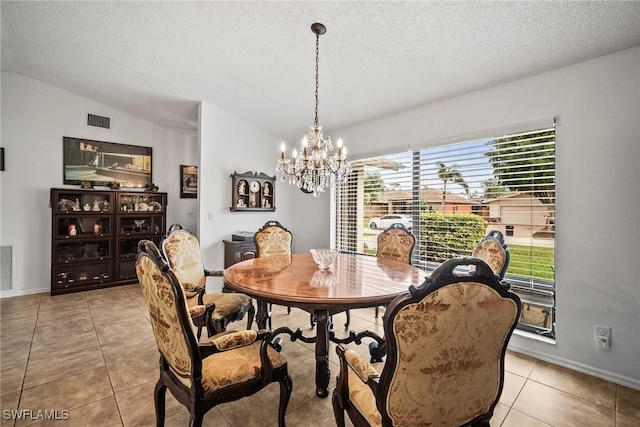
93	354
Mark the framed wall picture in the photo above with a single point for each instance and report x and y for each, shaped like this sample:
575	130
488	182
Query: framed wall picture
188	182
88	163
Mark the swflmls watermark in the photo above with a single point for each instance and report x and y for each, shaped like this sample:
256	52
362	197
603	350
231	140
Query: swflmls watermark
36	414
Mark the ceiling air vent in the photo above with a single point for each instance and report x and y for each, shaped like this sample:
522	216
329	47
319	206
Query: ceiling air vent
98	121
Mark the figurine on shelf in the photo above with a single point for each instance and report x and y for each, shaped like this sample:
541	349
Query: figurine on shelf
87	185
76	206
96	206
72	230
114	185
241	187
105	205
86	207
151	188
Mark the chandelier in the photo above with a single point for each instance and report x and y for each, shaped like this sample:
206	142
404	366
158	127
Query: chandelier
311	168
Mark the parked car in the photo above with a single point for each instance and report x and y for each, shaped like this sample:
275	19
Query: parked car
386	220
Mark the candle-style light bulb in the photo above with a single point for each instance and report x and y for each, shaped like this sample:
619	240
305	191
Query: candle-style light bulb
283	148
295	153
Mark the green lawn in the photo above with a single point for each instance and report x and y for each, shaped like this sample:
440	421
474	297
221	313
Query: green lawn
535	261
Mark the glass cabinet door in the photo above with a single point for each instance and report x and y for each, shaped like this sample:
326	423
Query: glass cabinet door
128	246
69	251
141	202
140	224
68	226
70	202
71	275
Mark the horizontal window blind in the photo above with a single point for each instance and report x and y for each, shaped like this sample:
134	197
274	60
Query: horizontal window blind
450	196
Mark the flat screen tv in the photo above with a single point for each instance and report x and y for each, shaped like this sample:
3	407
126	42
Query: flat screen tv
102	163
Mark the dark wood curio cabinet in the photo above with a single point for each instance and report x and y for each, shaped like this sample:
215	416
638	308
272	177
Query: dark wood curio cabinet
95	236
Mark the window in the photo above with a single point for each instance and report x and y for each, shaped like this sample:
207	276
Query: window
451	196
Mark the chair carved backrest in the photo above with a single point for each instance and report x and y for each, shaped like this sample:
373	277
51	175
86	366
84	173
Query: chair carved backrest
170	321
446	346
396	243
493	250
182	252
273	239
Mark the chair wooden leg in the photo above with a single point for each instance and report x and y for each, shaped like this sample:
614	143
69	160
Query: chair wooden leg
217	326
268	319
286	386
196	420
377	311
250	315
312	321
338	410
213	326
159	398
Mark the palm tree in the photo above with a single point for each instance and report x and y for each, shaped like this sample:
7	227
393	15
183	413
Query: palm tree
453	175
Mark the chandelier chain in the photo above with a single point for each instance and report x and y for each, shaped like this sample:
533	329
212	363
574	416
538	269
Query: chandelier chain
317	76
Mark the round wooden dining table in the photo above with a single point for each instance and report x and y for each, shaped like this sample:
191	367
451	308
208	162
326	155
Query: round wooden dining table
352	281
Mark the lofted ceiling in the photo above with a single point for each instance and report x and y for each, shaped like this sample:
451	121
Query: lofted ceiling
256	59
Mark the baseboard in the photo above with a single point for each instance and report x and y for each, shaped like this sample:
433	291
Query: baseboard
579	367
22	292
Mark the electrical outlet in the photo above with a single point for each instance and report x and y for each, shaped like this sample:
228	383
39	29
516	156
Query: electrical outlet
190	214
604	342
603	336
603	331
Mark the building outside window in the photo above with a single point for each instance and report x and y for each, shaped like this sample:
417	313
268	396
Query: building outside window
452	195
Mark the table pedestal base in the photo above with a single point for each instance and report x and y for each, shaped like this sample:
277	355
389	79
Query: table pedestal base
325	334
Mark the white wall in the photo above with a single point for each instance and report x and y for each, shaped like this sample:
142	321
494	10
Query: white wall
598	172
598	194
228	145
35	117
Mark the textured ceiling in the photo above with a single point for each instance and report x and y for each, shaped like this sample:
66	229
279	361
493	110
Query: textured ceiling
157	60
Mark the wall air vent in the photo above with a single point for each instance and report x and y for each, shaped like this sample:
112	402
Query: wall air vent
6	268
98	121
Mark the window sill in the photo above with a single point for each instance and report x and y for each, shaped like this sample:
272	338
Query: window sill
535	337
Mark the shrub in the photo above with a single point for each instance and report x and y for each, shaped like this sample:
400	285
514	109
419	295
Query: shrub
444	236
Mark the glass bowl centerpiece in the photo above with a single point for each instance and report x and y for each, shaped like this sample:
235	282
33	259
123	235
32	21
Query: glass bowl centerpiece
324	257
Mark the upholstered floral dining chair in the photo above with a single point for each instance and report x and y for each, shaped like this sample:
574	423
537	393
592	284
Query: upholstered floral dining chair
272	239
226	367
446	342
395	243
181	249
494	251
